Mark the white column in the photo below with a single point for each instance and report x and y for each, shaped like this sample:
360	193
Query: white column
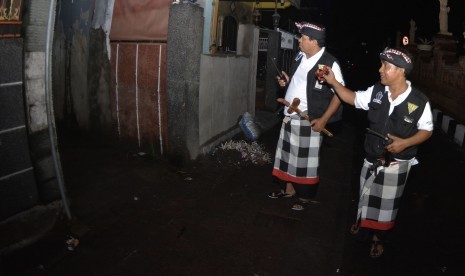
459	135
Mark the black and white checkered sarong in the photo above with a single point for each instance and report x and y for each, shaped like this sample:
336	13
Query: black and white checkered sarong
380	194
297	153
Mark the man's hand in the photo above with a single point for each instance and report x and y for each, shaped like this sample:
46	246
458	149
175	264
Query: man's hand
329	76
398	144
321	72
343	92
318	124
282	82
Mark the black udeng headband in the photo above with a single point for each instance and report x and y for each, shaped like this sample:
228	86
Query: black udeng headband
398	58
311	30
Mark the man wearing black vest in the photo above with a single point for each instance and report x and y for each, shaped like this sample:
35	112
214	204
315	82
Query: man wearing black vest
400	119
297	155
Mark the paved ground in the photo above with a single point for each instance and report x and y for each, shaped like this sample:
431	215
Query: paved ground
134	215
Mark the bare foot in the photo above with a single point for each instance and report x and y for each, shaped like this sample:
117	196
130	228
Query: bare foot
290	189
301	204
377	248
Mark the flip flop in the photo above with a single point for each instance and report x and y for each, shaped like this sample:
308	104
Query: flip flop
275	195
300	205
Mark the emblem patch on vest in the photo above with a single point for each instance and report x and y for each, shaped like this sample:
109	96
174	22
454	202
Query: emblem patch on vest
408	119
411	107
378	97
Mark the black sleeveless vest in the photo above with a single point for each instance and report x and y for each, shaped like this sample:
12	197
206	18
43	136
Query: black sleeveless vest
318	95
402	122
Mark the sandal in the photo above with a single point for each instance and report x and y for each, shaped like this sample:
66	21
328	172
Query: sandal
300	205
377	249
279	195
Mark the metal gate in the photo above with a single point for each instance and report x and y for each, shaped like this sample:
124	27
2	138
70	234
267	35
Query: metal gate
274	54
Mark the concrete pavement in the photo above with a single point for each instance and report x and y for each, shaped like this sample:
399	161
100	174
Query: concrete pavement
134	215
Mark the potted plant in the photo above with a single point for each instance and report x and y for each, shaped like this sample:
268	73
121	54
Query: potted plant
424	44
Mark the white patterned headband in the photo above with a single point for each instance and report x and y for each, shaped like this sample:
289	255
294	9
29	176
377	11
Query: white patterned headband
397	57
308	25
311	30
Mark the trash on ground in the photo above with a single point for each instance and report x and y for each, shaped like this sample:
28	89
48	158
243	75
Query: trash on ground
249	127
252	152
72	243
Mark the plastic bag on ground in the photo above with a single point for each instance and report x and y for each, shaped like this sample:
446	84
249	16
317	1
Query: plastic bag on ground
249	127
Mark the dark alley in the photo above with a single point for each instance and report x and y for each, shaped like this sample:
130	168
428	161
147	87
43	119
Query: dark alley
147	137
134	215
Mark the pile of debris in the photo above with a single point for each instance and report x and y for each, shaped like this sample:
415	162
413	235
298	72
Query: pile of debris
249	151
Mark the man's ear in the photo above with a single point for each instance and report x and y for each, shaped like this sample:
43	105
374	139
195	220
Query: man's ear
404	72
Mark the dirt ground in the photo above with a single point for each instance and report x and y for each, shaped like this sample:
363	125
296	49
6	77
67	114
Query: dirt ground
135	215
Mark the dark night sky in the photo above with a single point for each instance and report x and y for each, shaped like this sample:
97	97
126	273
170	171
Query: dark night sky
370	20
358	30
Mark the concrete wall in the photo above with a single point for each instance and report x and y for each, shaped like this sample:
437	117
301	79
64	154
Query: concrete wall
33	173
441	75
37	100
227	89
224	94
207	94
247	45
184	46
18	190
81	65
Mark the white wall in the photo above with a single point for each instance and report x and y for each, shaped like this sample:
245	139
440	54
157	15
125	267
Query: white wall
223	93
227	89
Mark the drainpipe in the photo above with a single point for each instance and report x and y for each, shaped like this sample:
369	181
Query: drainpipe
49	107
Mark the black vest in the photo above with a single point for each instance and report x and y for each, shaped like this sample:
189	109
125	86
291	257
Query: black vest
318	99
402	122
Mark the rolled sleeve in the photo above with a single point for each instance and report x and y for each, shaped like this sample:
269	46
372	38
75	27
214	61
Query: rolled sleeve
426	120
338	73
362	98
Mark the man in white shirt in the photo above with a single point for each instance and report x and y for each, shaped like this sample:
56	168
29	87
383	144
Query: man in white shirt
297	155
400	119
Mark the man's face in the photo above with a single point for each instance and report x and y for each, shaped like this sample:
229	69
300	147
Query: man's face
388	72
306	44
